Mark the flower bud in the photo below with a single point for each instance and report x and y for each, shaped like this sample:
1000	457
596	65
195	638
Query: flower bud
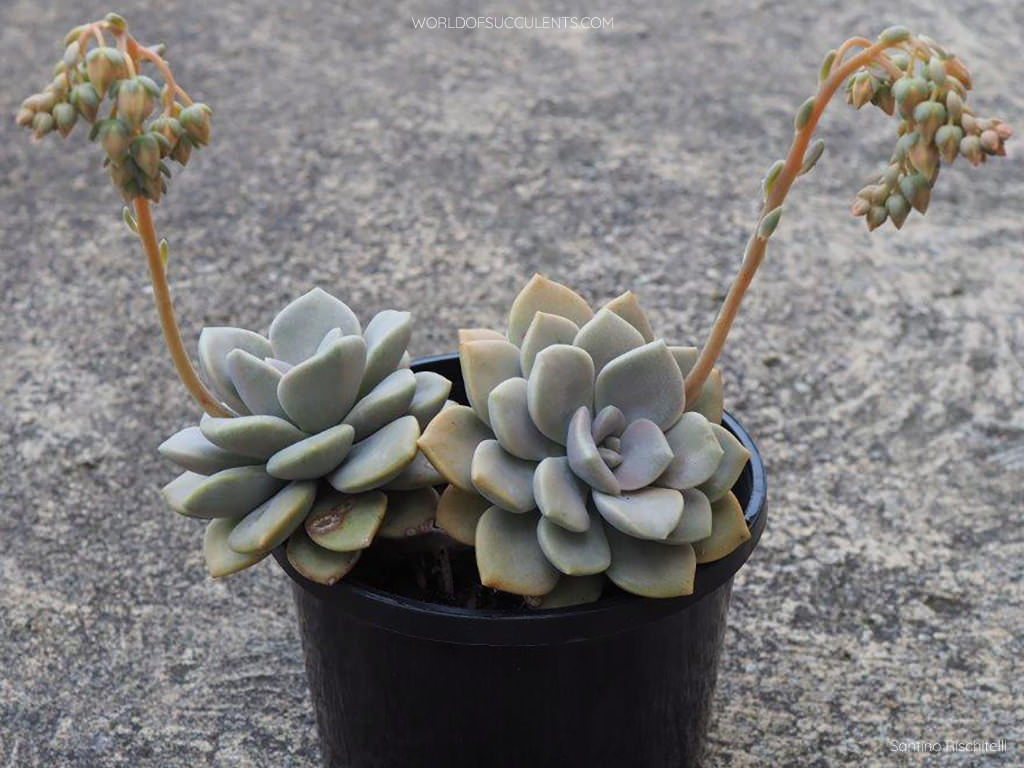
860	207
876	217
169	128
917	191
43	102
42	124
991	143
1002	129
878	194
929	115
182	150
936	71
134	102
71	54
924	157
115	138
947	139
116	21
954	107
863	90
970	148
121	174
105	65
955	68
146	153
909	92
74	34
24	117
969	123
64	117
897	208
195	119
891	175
85	99
883	99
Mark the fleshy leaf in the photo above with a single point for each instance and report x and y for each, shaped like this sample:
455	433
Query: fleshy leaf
612	458
543	295
229	493
606	336
467	335
343	523
685	357
379	458
316	563
221	559
561	496
644	383
570	591
609	422
502	478
574	554
485	364
319	391
383	404
274	520
645	453
651	513
695	522
449	442
214	346
585	459
508	556
299	328
313	457
544	331
432	389
419	474
650	568
711	400
512	425
728	530
729	468
458	513
257	436
386	335
409	513
561	382
190	450
628	308
697	452
255	381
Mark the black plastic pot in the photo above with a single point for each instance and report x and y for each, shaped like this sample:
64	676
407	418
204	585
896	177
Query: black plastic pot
625	682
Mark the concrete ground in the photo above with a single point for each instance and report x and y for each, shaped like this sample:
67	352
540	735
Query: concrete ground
436	171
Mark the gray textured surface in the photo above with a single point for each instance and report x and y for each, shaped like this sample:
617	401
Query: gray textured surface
436	171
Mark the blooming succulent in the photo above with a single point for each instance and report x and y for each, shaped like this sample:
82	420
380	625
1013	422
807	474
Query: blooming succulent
578	455
321	451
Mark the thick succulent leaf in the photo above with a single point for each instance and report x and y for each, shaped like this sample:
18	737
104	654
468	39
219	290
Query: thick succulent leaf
613	442
344	523
316	563
318	392
478	334
383	404
409	513
419	474
728	530
606	336
485	364
229	493
651	513
585	459
190	450
255	381
257	436
508	555
695	522
570	591
574	554
644	383
711	400
221	559
450	440
379	458
609	422
274	520
612	458
561	496
512	425
313	457
650	568
458	513
280	365
561	382
645	453
685	357
543	295
386	335
544	331
502	478
214	346
729	468
299	328
628	308
406	361
432	389
696	450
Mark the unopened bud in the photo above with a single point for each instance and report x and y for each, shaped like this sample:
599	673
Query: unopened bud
970	148
863	90
59	88
947	139
105	66
916	190
909	92
955	68
826	65
769	223
954	107
134	102
969	123
182	150
860	207
64	117
116	21
883	99
876	217
936	71
42	124
991	143
894	35
898	209
929	115
813	155
195	119
924	157
146	153
24	117
169	128
85	99
71	54
803	115
115	138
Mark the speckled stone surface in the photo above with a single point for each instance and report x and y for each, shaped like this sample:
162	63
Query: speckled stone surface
436	171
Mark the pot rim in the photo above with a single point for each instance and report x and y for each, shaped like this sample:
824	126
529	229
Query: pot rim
611	615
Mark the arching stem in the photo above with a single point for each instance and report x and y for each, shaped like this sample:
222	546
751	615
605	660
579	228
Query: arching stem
791	169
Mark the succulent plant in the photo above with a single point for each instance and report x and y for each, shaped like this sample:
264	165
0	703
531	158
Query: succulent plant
578	455
321	448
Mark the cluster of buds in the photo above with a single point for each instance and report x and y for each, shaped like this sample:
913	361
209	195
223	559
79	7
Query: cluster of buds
927	87
135	138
